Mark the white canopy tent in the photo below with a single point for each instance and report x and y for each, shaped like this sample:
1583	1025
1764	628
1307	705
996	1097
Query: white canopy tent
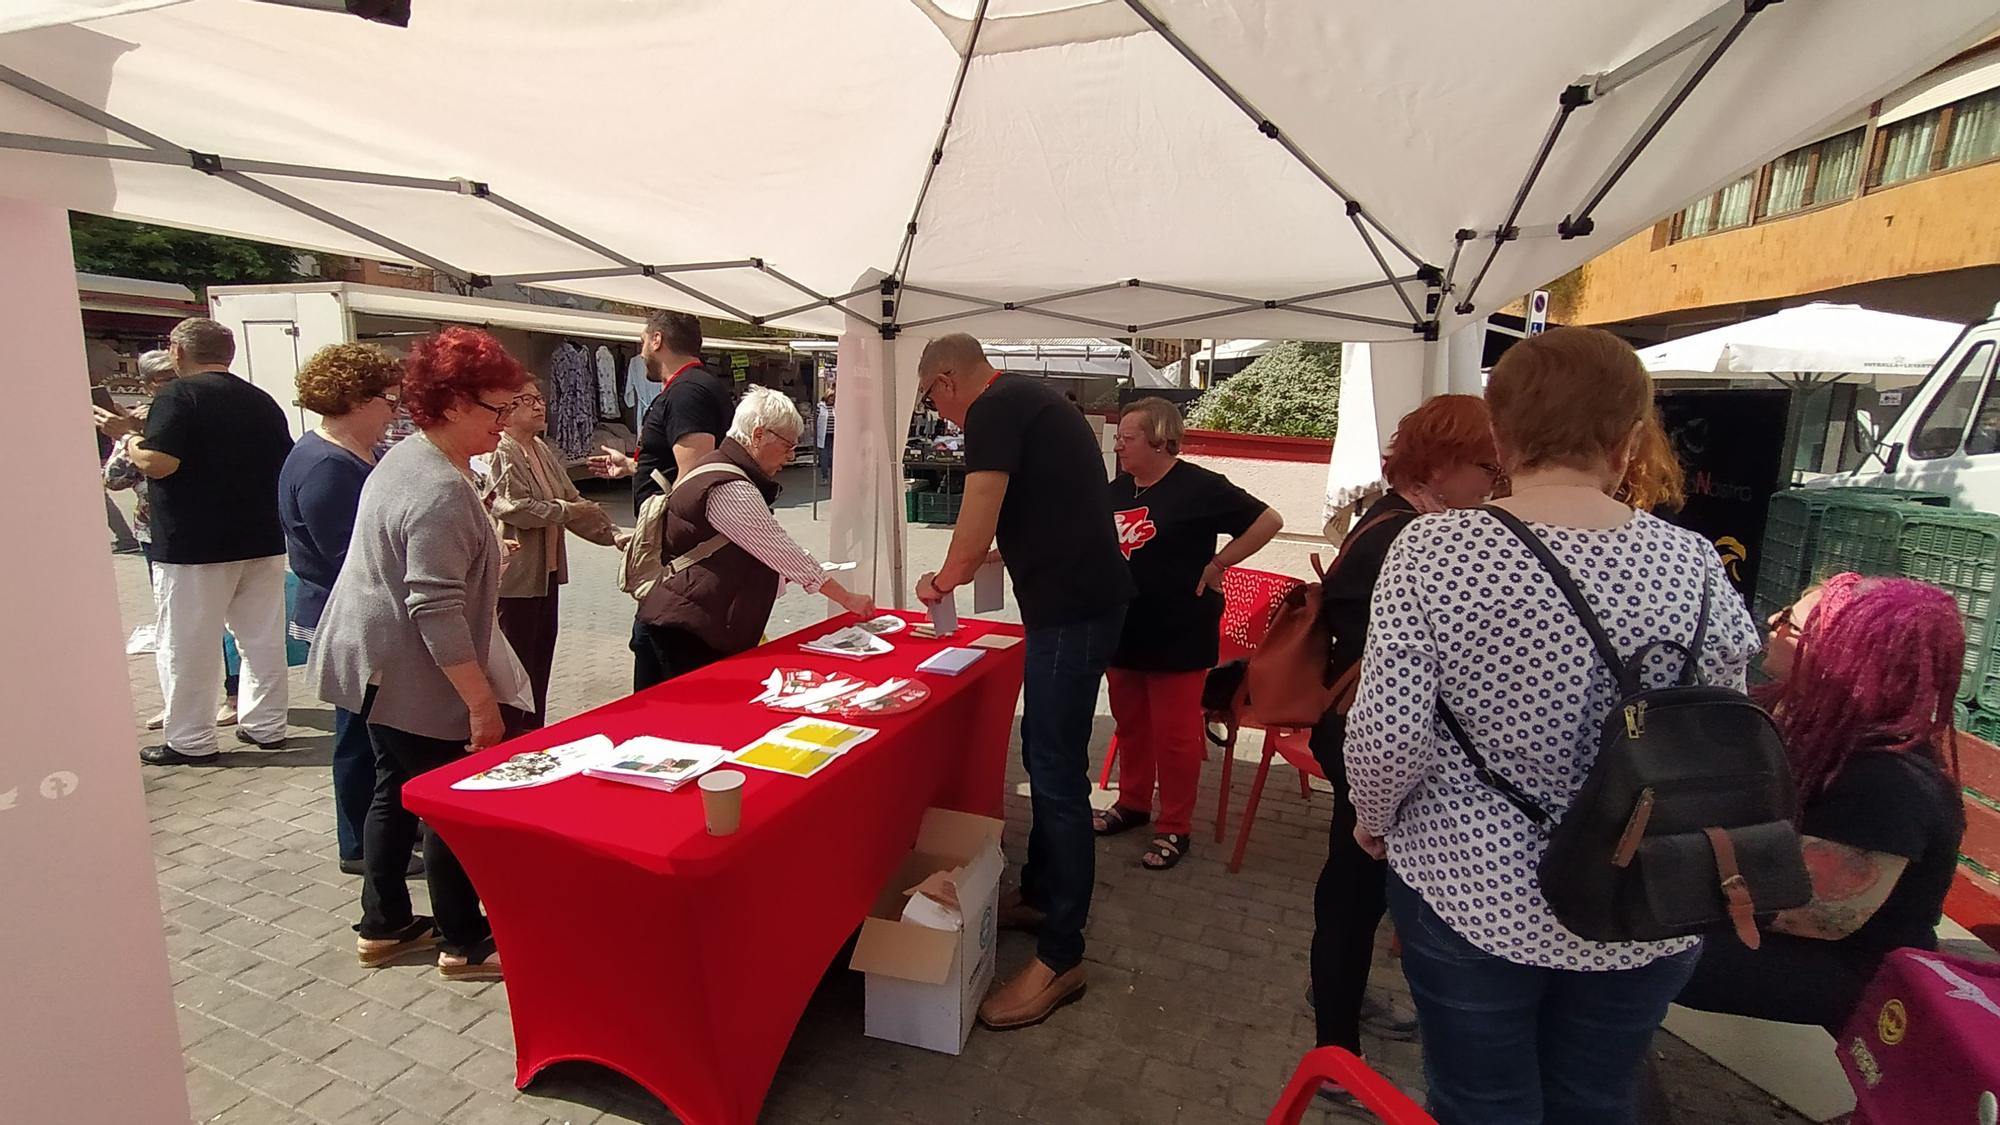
1820	338
1020	169
1011	168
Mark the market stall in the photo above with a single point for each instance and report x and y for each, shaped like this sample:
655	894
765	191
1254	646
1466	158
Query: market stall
637	940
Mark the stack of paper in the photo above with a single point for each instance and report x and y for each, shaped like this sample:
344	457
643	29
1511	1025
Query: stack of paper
656	763
802	747
952	661
853	642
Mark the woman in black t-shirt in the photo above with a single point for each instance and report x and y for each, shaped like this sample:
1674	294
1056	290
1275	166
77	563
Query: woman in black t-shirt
1169	514
1866	712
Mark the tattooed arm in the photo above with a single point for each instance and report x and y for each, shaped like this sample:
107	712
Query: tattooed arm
1849	886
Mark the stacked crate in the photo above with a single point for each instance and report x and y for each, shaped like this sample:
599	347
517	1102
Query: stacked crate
1959	552
1794	556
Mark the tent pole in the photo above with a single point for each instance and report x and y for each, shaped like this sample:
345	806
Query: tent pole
314	211
1573	96
1579	222
902	267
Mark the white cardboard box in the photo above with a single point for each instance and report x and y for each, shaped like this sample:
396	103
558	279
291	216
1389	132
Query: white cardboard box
924	985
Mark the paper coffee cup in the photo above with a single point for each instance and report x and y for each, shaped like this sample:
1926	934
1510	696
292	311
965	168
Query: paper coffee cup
722	800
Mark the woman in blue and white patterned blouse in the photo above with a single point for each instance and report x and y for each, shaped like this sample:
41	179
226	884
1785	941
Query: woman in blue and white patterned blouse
1525	1023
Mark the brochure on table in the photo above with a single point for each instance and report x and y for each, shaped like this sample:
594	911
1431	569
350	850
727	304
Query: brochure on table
656	763
802	747
855	642
851	697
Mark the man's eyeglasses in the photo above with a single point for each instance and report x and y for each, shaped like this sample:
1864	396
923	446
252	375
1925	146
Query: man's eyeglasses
924	398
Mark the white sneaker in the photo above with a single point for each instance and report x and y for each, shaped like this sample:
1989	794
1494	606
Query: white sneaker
226	717
157	722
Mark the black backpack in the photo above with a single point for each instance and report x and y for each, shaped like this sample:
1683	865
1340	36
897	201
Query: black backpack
1683	825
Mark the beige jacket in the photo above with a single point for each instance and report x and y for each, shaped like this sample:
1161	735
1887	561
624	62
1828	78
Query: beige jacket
532	501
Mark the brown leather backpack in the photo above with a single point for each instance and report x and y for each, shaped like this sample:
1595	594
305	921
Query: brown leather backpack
1291	681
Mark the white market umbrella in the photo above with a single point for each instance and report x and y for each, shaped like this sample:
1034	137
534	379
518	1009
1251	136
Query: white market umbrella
1817	338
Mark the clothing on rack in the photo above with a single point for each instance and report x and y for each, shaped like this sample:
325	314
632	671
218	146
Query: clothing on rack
640	391
607	383
573	409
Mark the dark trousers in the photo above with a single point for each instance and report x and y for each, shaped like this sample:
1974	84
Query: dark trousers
1787	980
529	624
1348	905
391	836
1510	1044
1064	666
661	652
353	780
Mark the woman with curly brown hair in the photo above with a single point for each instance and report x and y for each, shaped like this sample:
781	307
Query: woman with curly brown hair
407	633
352	387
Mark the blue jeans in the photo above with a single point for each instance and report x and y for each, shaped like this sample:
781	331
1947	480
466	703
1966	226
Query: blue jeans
353	780
1508	1044
1064	666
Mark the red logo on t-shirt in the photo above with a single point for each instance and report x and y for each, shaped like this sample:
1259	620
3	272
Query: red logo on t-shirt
1134	529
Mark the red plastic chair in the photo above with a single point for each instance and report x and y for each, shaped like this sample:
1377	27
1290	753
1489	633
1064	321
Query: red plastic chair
1249	601
1331	1064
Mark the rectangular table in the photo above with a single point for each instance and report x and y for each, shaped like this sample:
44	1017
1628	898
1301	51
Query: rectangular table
633	939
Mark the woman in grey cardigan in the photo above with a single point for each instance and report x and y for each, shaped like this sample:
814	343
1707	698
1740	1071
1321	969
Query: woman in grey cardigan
405	636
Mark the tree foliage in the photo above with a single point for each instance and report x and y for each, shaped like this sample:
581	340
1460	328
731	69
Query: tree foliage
1293	390
185	257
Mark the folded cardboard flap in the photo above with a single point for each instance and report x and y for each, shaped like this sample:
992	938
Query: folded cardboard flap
891	947
894	948
956	834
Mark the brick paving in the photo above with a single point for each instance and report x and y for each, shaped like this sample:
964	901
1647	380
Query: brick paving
1195	1012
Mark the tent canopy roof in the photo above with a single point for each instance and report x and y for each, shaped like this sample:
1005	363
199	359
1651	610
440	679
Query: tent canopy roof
1265	168
1819	337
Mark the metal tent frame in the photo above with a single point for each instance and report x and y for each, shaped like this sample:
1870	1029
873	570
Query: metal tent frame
1707	39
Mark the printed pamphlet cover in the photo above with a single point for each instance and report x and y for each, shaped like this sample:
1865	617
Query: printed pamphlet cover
539	767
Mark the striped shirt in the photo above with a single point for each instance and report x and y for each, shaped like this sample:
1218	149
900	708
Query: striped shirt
737	511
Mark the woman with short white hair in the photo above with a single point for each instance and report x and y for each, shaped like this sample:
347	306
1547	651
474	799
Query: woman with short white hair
718	517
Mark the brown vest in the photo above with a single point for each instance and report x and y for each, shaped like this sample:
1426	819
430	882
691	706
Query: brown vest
725	599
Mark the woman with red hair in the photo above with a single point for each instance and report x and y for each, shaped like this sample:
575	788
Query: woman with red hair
407	633
1865	706
1441	457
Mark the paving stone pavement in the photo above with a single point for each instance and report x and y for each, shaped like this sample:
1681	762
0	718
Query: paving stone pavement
1195	1013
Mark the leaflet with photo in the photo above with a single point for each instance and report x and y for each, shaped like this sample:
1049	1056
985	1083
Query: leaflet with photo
852	643
656	763
539	767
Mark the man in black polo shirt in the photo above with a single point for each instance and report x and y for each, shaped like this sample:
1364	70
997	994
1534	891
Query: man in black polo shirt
683	424
213	448
1035	477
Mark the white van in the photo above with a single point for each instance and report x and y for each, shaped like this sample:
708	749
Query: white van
1948	440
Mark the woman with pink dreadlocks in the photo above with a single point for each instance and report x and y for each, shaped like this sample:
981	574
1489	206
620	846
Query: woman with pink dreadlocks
1868	669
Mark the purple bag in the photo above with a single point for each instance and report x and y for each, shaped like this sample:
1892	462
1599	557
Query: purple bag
1924	1043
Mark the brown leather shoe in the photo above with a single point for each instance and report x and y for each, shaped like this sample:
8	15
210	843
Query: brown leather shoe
1016	914
1030	996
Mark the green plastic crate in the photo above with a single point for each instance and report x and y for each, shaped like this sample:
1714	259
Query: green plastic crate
1862	535
1959	552
1984	724
937	507
1961	717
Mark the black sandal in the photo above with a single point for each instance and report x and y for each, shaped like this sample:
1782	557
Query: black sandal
1168	849
1116	819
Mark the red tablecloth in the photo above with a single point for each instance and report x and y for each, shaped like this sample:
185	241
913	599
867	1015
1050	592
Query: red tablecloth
633	939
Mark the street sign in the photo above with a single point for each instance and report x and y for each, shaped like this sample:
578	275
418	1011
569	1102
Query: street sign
1538	312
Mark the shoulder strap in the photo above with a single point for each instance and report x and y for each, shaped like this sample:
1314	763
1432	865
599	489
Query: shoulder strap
1347	541
1507	789
1566	583
700	470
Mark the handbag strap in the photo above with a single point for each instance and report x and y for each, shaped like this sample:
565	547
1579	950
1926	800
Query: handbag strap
1565	582
1484	772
